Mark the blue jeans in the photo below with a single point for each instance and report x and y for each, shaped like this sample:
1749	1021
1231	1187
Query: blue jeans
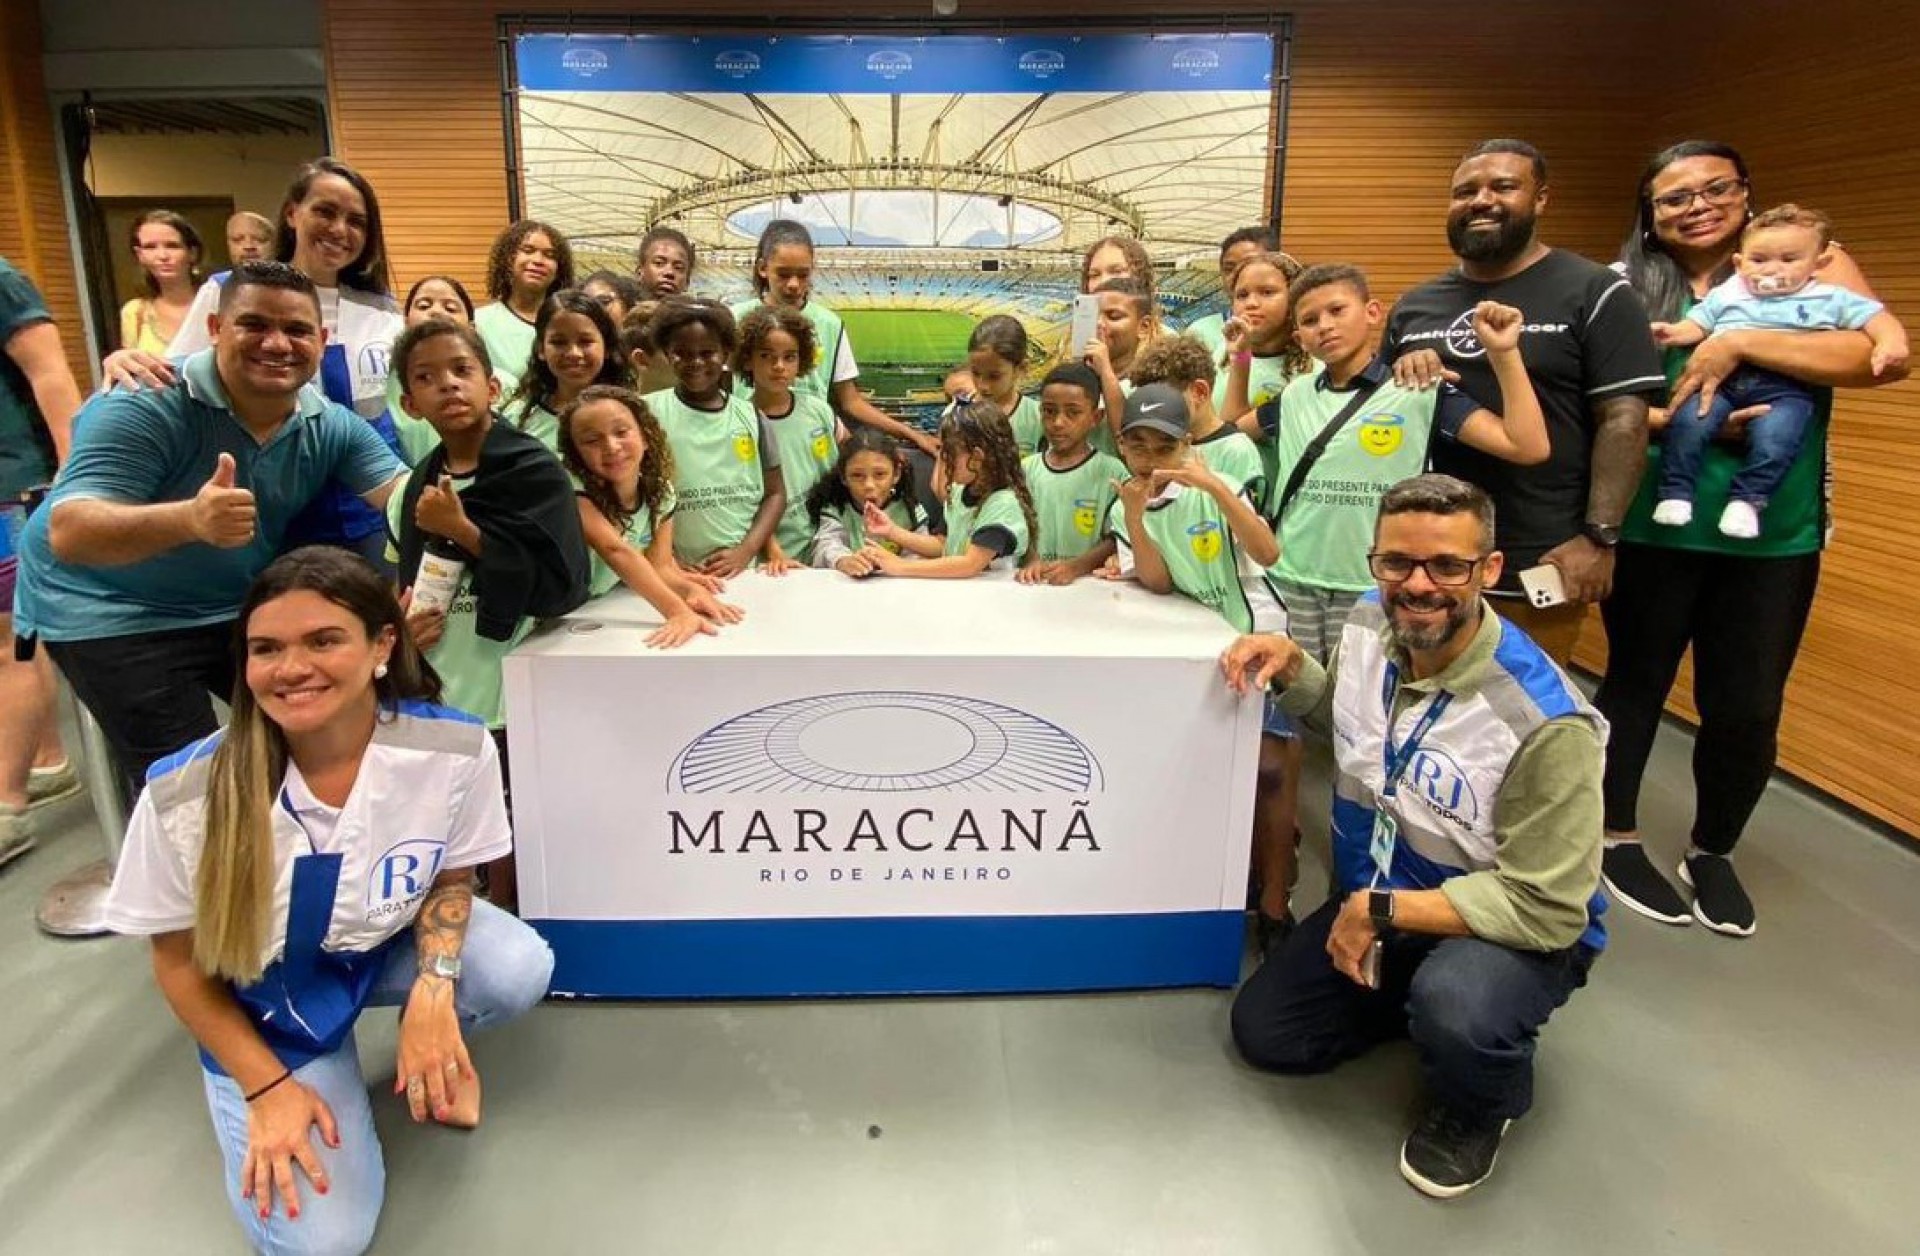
1773	439
507	969
1473	1008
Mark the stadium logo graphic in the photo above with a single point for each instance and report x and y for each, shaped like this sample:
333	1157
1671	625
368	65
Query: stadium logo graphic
890	64
885	743
1042	63
738	63
942	773
586	62
1197	62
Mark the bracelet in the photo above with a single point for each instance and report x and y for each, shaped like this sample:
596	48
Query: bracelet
1243	358
270	1085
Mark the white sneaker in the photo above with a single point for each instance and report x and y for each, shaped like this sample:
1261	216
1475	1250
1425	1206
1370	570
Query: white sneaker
1676	513
16	833
50	785
1739	519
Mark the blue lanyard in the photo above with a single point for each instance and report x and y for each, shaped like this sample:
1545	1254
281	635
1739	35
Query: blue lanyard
1397	760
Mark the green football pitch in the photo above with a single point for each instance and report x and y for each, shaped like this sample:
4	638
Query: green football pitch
900	350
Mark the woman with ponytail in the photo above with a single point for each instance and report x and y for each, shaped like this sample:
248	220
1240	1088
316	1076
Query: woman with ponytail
312	860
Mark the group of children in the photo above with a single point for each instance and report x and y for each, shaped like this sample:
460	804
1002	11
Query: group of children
698	441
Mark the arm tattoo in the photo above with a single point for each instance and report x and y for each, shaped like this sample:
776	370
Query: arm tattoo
441	927
1619	457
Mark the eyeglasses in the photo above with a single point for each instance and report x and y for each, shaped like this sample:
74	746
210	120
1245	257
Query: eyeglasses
1719	192
1442	569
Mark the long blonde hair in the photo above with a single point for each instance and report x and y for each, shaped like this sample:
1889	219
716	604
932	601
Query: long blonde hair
233	889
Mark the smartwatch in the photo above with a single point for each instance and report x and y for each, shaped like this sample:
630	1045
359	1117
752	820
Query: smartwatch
1380	908
1605	535
446	966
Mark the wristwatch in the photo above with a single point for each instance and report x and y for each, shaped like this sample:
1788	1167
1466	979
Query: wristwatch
447	966
1605	535
1380	908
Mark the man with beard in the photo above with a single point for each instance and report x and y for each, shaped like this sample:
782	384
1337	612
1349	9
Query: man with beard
1589	350
1466	837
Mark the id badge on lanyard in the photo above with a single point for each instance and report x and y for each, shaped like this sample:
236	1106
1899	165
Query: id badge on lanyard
1386	831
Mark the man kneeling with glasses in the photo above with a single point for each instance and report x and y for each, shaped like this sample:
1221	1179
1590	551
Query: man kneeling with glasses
1466	837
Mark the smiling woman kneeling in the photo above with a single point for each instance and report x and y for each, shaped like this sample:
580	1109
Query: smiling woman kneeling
312	860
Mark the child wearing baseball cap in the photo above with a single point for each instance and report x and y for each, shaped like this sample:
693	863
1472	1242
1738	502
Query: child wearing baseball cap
1180	528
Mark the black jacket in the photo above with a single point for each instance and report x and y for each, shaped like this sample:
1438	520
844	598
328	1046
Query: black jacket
535	560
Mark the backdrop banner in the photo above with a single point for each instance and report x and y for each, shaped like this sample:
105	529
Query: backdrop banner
867	64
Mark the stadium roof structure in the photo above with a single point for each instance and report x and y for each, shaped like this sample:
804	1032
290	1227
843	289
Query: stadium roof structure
1177	169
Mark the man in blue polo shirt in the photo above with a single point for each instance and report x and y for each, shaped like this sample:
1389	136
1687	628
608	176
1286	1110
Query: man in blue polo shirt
173	500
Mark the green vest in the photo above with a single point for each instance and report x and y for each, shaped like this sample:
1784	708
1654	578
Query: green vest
1795	521
468	663
716	472
827	335
508	337
1197	545
1209	330
1236	458
638	535
536	421
1028	435
1328	529
854	520
808	453
1267	378
1070	505
999	509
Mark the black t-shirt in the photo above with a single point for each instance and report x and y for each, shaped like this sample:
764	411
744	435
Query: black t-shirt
1585	337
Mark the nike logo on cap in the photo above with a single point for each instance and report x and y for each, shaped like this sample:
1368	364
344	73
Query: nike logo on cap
1149	409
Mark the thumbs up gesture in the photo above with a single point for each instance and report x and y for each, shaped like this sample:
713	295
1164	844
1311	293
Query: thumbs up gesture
223	515
438	511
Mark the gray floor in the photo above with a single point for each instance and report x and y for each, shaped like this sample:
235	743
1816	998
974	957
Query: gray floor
1702	1095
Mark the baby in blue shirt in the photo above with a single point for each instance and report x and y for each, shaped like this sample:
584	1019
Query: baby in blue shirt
1773	290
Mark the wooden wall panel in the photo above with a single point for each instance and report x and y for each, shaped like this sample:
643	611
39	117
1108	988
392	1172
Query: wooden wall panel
34	232
1828	123
1385	97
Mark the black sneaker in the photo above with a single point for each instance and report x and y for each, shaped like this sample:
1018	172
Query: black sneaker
1719	901
1634	881
1449	1153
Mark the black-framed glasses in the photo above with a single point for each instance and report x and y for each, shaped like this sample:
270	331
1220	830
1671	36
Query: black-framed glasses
1442	569
1719	192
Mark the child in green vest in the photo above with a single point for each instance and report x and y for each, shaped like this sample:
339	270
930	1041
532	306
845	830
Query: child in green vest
872	471
1180	527
1262	354
528	262
1127	321
574	347
997	359
617	451
483	532
1184	363
990	521
435	296
777	347
726	461
783	264
1071	482
1382	437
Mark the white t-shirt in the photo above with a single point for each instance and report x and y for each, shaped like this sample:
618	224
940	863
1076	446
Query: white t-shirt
428	799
